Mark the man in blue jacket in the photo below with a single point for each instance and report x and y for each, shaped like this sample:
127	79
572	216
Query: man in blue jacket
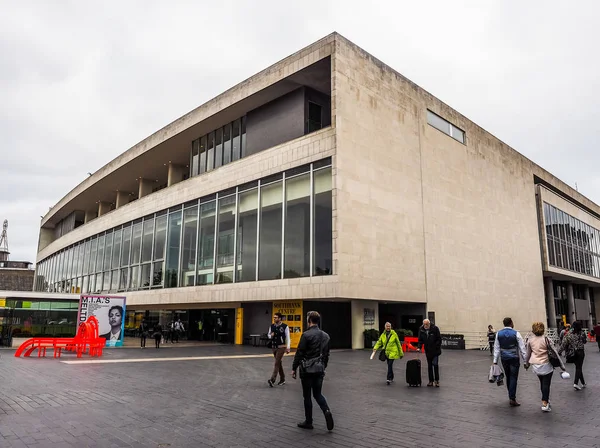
510	348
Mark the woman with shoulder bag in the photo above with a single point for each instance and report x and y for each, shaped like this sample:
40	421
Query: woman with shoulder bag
389	343
573	345
543	357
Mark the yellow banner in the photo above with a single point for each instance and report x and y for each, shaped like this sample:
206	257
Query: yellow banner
239	326
291	311
3	301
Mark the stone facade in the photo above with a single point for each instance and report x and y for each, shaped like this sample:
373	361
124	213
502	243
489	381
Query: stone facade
16	279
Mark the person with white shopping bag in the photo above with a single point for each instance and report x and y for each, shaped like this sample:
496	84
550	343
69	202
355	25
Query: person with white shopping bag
543	357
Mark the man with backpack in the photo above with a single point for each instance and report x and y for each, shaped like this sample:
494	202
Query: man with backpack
312	357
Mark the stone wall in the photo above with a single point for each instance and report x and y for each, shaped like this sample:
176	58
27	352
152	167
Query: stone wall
16	279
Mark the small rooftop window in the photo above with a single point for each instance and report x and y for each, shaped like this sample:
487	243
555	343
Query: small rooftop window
445	126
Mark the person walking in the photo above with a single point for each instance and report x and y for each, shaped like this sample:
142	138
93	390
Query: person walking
539	352
431	339
491	334
389	343
312	357
573	344
279	334
597	334
157	335
143	333
510	348
566	330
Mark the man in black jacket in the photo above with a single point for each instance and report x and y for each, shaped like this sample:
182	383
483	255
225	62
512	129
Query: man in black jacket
430	337
313	346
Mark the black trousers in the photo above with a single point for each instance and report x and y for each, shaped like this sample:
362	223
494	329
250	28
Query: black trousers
579	357
143	340
157	340
545	381
312	385
433	368
390	373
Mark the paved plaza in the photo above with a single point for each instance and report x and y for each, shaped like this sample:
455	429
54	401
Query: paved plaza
220	398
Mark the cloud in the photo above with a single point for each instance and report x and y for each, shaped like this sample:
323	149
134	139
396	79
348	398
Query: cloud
81	82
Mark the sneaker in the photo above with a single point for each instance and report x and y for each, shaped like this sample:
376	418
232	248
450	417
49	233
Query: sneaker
583	386
437	384
546	408
271	382
576	387
329	420
388	382
305	425
281	383
429	384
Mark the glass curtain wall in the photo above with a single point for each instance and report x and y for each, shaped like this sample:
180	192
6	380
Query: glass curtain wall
279	227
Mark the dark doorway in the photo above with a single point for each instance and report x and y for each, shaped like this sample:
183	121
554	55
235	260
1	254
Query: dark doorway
335	320
408	316
412	323
215	325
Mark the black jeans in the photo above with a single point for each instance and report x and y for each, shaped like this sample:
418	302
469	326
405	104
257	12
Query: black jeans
157	340
433	368
545	381
312	383
511	372
491	348
579	357
390	374
143	340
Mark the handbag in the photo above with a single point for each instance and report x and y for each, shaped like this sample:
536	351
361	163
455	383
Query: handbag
552	356
314	365
382	355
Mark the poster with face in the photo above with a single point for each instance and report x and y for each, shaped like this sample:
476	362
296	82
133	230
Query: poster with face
110	312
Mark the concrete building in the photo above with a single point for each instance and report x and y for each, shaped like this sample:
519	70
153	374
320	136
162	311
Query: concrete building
14	275
331	181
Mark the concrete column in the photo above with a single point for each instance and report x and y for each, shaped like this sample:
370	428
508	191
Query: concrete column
89	215
175	174
145	188
122	199
588	299
103	208
570	304
358	321
550	308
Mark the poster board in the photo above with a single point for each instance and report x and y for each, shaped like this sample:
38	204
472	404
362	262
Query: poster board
291	311
110	312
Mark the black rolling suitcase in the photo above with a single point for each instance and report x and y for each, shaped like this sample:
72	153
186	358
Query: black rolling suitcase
413	372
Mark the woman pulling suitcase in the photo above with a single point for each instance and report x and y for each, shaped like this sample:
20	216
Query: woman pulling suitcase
389	343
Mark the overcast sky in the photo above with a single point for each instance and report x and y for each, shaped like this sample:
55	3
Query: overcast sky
83	81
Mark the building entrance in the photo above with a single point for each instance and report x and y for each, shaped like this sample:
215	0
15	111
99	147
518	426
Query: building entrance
212	325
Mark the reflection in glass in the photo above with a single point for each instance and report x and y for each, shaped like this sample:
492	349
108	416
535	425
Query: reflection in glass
147	240
160	237
225	240
108	250
145	279
188	252
124	279
323	222
269	255
114	284
135	277
206	240
173	245
235	145
226	144
246	239
157	276
136	243
210	152
116	256
202	154
100	256
297	227
126	246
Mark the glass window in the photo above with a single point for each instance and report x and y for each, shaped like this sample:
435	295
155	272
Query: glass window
123	279
457	134
210	152
235	145
225	240
269	255
108	242
126	246
147	240
202	154
106	282
145	280
188	252
114	284
438	122
75	261
157	273
100	257
297	227
227	144
218	148
247	234
93	252
315	117
98	282
136	243
135	277
206	238
116	255
195	157
323	223
160	236
173	245
244	136
86	285
82	255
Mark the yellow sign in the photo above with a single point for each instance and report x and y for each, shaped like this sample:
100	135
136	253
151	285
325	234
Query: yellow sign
239	326
3	301
291	310
564	319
